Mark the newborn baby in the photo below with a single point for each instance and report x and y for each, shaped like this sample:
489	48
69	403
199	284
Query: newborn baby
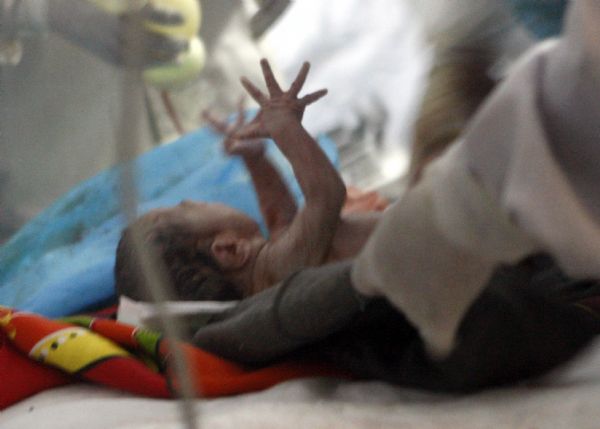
214	252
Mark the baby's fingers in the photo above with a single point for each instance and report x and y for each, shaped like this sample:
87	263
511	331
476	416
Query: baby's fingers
248	148
250	131
271	82
312	97
300	79
254	92
218	125
241	116
229	144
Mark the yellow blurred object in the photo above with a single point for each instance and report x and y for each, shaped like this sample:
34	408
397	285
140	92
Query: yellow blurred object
190	11
188	64
183	70
119	6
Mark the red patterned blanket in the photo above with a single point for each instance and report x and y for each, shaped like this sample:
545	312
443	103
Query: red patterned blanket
38	353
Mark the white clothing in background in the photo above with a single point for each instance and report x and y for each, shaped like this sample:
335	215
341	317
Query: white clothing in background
524	177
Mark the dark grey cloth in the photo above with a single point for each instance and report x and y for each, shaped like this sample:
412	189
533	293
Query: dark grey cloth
305	308
524	324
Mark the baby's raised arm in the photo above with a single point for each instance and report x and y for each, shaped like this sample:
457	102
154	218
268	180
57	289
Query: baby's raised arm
307	240
276	202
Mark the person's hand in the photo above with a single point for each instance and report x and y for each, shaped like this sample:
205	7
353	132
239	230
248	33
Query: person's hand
280	107
247	148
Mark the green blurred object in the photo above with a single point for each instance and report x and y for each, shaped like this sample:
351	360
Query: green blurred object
184	69
166	23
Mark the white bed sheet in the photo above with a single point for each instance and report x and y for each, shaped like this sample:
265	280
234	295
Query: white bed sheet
568	399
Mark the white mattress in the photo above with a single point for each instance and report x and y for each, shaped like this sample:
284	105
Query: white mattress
568	399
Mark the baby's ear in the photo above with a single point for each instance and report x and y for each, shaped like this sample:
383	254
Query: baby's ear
230	251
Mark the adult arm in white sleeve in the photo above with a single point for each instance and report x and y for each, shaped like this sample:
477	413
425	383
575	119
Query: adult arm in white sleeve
499	194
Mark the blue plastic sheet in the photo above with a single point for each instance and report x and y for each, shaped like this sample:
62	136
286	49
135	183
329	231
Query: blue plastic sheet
62	262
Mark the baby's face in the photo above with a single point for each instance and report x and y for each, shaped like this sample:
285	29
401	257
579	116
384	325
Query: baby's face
201	220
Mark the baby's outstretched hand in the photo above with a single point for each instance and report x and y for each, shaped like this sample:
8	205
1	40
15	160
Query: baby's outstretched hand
279	107
248	148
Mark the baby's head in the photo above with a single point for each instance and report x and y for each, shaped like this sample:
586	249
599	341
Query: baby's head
208	251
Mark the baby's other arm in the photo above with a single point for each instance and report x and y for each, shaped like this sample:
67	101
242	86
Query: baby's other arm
308	239
277	205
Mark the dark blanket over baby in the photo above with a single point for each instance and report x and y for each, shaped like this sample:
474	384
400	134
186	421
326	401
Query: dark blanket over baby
528	320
